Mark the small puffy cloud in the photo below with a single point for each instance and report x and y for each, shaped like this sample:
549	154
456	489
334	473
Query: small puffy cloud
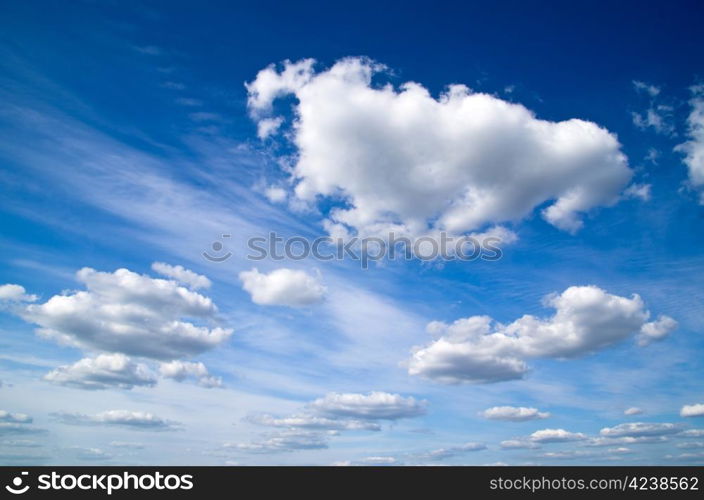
452	451
479	350
556	436
283	287
314	422
519	444
289	440
103	372
695	410
691	445
372	406
14	418
624	440
696	433
657	116
514	414
638	191
693	148
656	330
15	293
640	429
402	159
182	275
633	411
182	370
136	420
130	445
651	90
129	313
275	194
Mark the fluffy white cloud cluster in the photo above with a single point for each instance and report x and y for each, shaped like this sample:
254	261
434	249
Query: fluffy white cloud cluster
514	414
182	275
125	312
182	370
283	287
372	406
694	147
402	159
103	372
695	410
478	350
452	451
330	415
123	418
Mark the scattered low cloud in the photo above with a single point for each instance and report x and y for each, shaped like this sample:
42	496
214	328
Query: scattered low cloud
183	370
193	280
103	372
136	420
479	350
556	436
693	148
15	293
633	410
372	406
695	410
641	429
283	287
514	414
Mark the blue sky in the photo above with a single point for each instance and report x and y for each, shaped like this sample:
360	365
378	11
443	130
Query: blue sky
130	138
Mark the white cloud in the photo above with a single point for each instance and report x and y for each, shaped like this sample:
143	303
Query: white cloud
692	433
127	444
15	293
268	126
615	441
313	422
452	451
479	350
514	414
519	444
290	440
651	90
182	275
656	330
372	406
182	370
639	191
103	372
275	194
122	418
402	159
694	147
283	287
633	411
14	418
640	429
695	410
556	436
129	313
657	116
